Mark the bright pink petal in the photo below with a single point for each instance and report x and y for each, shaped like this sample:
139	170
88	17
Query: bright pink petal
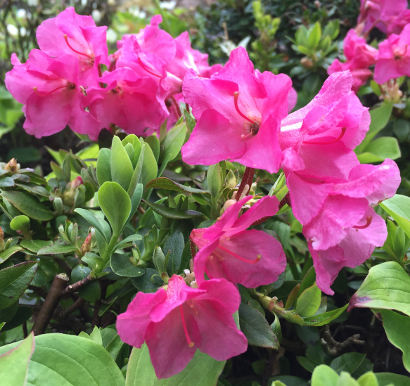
133	323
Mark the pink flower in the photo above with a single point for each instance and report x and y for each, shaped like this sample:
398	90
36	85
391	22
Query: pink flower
187	58
387	15
394	57
176	321
292	99
228	250
359	57
50	92
72	34
317	143
129	102
238	111
347	230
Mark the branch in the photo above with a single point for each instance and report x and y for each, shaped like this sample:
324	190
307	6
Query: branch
77	285
53	298
333	347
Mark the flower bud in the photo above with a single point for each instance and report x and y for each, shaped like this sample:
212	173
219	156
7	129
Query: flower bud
71	190
306	62
12	166
86	247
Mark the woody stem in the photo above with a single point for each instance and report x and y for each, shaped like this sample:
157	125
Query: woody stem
246	180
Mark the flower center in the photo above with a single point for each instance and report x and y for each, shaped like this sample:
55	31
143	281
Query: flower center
74	50
327	142
188	339
368	222
258	257
254	124
68	86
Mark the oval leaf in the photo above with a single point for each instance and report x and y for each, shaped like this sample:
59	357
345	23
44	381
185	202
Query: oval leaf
166	183
171	213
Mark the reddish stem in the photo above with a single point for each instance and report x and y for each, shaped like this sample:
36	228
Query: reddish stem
246	180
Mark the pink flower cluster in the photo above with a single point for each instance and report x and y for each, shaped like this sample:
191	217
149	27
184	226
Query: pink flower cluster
63	83
391	60
242	117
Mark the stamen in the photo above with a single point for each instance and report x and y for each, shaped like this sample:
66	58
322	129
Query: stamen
235	99
77	52
329	142
147	69
50	92
188	339
368	222
258	257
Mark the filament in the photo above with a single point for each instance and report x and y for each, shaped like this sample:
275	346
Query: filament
188	339
147	69
240	257
329	142
77	52
235	99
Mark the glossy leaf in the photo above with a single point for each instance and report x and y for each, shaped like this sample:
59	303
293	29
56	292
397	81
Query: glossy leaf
60	359
388	379
14	363
89	216
171	213
35	245
29	205
202	370
14	281
9	252
116	205
174	246
398	207
149	166
57	248
20	223
324	376
347	362
325	318
387	286
380	149
309	301
121	166
173	142
104	166
168	184
122	266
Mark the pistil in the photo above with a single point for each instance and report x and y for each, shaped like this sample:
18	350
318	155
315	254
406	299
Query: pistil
258	257
368	222
188	339
235	99
147	69
328	142
77	52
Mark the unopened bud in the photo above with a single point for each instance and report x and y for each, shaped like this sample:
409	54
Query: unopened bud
71	189
306	62
12	166
86	247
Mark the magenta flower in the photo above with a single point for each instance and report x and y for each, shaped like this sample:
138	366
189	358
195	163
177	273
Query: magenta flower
347	229
228	250
50	92
129	102
359	57
317	143
187	58
176	321
238	112
394	57
72	34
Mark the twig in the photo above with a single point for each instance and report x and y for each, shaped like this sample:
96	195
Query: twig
74	307
269	367
53	298
97	318
77	285
334	348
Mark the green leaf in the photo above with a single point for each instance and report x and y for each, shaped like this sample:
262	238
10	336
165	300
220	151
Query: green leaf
322	319
14	281
398	207
104	166
368	379
14	364
22	314
174	245
256	328
89	216
380	149
379	118
309	301
29	205
397	327
122	266
60	359
154	144
20	223
324	376
57	248
166	183
116	205
389	379
136	144
127	241
202	370
6	182
314	36
9	252
148	282
171	213
121	166
149	166
190	120
402	129
347	362
35	245
387	286
173	142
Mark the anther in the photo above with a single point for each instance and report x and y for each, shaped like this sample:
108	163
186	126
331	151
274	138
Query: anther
328	142
235	99
258	257
72	49
188	339
368	222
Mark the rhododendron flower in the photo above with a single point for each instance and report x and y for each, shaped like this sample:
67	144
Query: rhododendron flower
389	16
228	250
359	57
50	92
317	143
238	112
72	34
394	57
176	321
129	102
292	99
346	229
187	58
